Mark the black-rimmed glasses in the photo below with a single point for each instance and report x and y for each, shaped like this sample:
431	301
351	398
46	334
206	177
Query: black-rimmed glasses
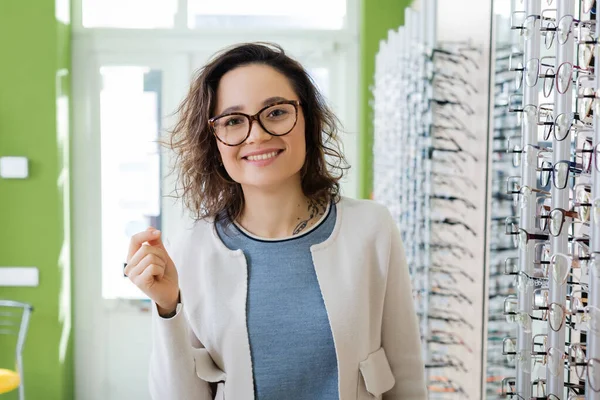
560	173
278	119
562	125
589	154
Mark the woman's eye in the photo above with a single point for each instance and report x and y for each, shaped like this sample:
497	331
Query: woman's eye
277	113
233	121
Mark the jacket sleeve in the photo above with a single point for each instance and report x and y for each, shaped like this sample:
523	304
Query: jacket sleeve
173	361
400	331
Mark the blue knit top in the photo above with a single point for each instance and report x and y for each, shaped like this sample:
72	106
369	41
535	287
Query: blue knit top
291	344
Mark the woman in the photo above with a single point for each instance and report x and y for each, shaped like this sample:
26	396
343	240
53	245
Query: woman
282	289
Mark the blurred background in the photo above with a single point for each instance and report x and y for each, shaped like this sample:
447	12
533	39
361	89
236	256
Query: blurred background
473	121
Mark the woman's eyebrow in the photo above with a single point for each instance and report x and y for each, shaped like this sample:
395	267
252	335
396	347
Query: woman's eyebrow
265	103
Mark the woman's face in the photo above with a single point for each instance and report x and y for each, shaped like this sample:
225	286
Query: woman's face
263	160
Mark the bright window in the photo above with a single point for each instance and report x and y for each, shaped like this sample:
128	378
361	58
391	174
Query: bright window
306	14
224	14
130	166
132	14
320	76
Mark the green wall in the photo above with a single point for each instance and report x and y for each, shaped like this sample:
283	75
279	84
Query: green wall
377	17
35	61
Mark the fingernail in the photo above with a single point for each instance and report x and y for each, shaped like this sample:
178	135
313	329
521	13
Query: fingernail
156	233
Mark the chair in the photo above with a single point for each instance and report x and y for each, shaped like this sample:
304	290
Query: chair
14	321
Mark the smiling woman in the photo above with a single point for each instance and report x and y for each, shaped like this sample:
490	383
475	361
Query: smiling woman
248	84
290	289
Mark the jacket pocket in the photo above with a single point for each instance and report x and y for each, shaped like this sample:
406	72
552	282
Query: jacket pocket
376	373
206	369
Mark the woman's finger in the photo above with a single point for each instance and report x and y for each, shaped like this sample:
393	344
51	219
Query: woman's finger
152	273
144	251
134	270
140	238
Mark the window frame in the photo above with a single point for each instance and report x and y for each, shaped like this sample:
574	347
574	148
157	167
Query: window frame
93	47
180	24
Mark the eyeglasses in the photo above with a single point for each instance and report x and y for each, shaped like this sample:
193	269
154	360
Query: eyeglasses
556	359
454	222
531	71
562	125
522	237
557	218
449	316
564	75
438	361
524	281
461	105
587	104
586	47
520	317
587	153
446	81
511	267
519	20
588	369
439	290
513	187
441	384
447	179
565	26
559	172
582	201
448	270
464	201
532	153
548	27
457	150
458	56
509	349
540	389
446	338
278	119
562	264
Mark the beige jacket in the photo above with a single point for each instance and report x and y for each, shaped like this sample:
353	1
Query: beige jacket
366	287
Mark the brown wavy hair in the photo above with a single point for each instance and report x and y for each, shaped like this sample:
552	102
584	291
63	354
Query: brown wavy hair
203	184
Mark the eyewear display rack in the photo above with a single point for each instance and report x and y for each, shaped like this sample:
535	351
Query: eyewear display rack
431	112
442	139
593	337
554	306
501	337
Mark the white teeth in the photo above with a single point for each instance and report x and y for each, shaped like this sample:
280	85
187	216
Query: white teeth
262	156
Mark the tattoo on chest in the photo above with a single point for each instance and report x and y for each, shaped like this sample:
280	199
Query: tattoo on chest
315	210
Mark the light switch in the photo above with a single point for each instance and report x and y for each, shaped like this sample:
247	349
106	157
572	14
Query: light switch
13	167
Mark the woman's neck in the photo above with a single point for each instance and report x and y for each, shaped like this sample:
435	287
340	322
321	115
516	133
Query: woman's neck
281	212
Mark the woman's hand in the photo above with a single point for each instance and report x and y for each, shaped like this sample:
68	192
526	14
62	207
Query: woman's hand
151	269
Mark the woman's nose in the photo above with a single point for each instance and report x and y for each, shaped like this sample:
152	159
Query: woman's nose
257	133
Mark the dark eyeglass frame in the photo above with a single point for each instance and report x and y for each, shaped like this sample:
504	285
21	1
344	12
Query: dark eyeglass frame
583	372
572	168
252	118
545	216
551	125
589	155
